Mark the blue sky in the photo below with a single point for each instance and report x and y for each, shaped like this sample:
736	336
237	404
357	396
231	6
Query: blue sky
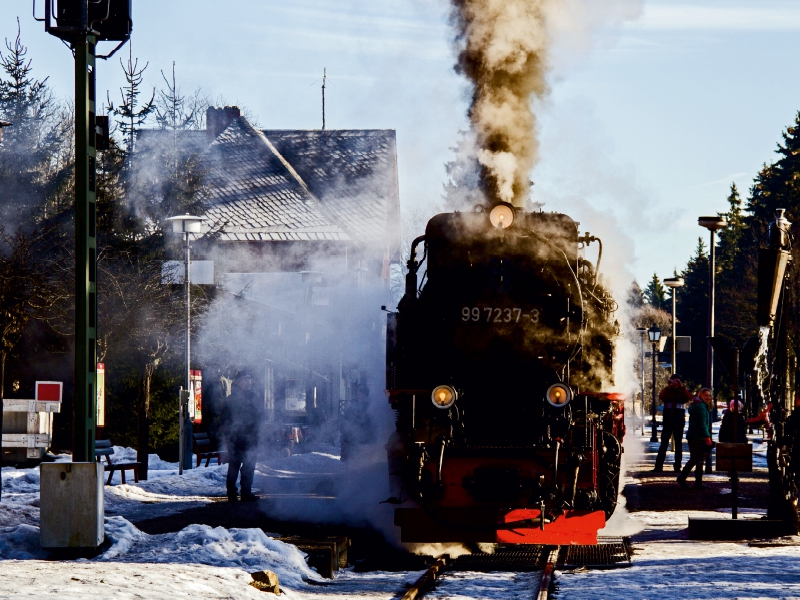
648	121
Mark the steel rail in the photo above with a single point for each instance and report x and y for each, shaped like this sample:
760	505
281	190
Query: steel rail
425	582
547	574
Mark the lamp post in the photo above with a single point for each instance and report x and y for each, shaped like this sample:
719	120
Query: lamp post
642	333
654	333
674	283
186	224
713	224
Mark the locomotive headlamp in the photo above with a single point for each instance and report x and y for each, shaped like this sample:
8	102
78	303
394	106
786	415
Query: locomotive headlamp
444	396
559	395
501	215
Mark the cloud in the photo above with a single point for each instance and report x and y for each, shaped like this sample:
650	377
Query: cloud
696	16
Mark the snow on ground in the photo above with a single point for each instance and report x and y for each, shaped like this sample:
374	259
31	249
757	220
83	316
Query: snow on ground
135	558
216	562
684	569
123	581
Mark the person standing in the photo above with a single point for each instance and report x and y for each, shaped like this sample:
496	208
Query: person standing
726	427
242	418
708	399
699	438
674	397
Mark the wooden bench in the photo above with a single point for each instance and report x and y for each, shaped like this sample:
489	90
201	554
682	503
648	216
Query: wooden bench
103	448
202	448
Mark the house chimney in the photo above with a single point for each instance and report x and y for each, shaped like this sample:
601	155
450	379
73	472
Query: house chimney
218	119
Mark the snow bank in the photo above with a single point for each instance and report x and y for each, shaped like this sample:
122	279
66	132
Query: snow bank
247	549
20	542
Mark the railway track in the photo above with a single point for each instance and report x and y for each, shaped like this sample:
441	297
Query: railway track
538	561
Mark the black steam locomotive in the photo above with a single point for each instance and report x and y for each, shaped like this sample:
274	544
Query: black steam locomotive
497	358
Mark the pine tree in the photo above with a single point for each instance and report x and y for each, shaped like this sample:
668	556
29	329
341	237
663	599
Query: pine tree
35	158
174	111
131	113
635	296
731	236
656	294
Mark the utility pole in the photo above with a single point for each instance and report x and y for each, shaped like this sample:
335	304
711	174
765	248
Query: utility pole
324	77
84	406
82	24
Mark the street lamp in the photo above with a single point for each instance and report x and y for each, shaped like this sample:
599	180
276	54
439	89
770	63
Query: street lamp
674	283
654	333
186	224
642	331
713	224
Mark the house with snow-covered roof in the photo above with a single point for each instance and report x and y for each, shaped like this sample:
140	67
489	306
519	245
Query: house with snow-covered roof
305	224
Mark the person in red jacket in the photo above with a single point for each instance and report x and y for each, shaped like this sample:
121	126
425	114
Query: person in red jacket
674	397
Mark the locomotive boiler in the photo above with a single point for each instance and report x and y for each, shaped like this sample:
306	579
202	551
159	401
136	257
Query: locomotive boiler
497	361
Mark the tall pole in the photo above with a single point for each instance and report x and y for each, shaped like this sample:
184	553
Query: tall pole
642	332
674	339
654	434
674	283
85	395
2	392
643	383
324	77
712	223
711	293
184	460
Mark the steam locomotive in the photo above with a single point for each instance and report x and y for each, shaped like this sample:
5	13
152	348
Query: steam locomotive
496	361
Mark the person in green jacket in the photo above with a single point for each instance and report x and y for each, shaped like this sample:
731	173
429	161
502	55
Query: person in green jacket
699	439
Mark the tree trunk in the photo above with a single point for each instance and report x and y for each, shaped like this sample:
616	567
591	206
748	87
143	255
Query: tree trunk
143	443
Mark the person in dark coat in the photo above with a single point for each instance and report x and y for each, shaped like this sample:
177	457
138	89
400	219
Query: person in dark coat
726	427
242	418
708	399
699	438
674	398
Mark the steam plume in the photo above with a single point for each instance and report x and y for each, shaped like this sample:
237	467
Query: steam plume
503	51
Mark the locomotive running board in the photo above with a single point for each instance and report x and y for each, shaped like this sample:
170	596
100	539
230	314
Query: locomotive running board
492	525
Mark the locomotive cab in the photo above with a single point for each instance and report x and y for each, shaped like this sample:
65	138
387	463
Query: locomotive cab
496	361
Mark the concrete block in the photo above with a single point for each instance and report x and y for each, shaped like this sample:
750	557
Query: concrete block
71	505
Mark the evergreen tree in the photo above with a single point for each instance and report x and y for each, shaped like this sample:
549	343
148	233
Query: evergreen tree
635	297
131	113
656	294
777	185
35	158
731	236
174	111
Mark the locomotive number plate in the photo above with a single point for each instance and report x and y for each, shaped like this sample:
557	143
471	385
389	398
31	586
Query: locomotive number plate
488	314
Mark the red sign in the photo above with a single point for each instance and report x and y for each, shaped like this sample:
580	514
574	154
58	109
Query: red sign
49	391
